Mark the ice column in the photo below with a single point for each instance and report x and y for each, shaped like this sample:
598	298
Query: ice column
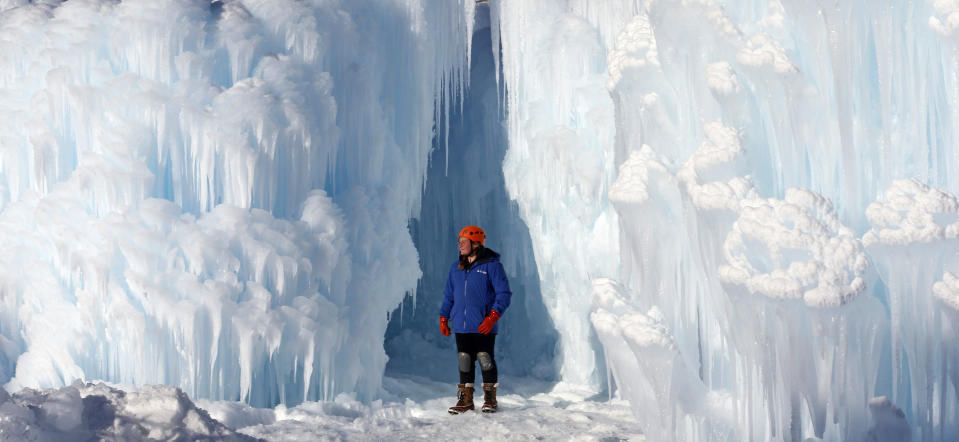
913	241
560	163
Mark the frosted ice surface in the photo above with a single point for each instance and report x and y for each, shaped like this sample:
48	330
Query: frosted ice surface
630	185
197	193
912	212
211	290
561	124
914	230
642	330
775	18
794	248
946	19
635	46
716	158
649	371
763	50
889	422
722	80
947	290
751	140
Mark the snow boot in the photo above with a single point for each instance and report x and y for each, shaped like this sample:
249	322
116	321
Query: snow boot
465	399
489	397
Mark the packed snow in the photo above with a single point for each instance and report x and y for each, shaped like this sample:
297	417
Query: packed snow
411	409
99	411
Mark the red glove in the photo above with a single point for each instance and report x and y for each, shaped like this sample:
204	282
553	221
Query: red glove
444	326
489	322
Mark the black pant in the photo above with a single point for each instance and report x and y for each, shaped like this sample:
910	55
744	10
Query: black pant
473	347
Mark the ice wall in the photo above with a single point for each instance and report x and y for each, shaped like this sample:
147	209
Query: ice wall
215	195
783	199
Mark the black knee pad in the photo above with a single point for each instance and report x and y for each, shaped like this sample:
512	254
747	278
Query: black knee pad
485	360
466	362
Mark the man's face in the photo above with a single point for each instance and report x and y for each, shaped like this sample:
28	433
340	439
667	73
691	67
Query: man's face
466	246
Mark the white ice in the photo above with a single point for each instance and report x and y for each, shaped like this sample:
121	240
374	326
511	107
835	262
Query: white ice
783	185
214	195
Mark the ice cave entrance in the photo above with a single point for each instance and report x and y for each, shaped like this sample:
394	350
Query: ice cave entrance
465	185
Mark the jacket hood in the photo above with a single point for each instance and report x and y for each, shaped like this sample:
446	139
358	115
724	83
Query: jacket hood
486	255
483	256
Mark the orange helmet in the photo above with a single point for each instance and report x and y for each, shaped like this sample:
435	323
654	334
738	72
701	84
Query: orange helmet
474	233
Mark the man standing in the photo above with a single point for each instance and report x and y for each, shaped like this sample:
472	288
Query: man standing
476	295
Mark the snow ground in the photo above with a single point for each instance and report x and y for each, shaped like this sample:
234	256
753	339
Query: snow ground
413	408
416	410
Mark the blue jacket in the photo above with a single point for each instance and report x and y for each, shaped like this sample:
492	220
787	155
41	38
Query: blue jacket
471	293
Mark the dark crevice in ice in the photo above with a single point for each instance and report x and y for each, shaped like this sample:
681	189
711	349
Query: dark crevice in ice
465	185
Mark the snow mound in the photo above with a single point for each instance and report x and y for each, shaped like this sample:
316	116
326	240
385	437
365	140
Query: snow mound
794	249
912	213
86	411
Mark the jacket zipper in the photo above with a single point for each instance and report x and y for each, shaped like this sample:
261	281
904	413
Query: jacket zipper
465	283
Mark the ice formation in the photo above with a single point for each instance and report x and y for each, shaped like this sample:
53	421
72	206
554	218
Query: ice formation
664	391
559	166
744	211
766	247
916	225
751	140
215	195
